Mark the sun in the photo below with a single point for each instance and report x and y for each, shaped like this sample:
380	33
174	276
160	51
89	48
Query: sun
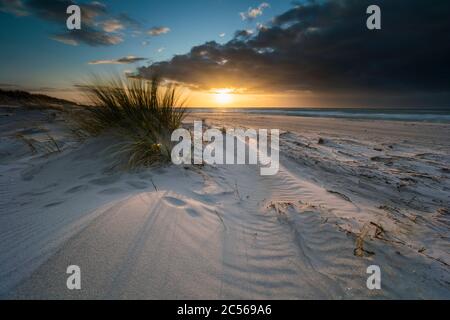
223	96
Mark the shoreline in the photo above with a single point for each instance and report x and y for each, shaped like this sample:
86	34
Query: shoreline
438	115
344	126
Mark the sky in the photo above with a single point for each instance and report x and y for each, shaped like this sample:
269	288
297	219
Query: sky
236	52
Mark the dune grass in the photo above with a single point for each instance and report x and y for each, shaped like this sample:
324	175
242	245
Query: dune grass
141	113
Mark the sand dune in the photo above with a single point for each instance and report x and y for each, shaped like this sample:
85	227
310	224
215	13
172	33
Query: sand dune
343	199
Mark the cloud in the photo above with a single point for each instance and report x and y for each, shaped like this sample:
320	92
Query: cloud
253	13
88	36
112	25
261	26
161	49
243	33
55	10
63	38
156	31
324	49
124	60
98	25
15	7
223	34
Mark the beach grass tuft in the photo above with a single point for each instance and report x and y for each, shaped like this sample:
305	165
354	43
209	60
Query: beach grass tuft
141	113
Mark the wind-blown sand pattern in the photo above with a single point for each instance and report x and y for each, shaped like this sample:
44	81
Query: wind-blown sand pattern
349	194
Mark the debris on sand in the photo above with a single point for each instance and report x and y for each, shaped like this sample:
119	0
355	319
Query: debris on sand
443	211
378	230
371	229
359	250
343	196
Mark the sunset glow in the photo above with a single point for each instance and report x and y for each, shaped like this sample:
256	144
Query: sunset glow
223	96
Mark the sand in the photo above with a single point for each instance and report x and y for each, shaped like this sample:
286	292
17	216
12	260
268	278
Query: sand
349	194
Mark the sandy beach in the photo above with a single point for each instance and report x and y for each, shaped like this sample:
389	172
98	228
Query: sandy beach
349	194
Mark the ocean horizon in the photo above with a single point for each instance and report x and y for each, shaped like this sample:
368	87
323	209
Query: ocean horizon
440	115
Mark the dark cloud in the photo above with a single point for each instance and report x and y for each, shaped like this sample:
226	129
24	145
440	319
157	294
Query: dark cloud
55	10
91	33
15	7
99	27
324	47
89	36
243	34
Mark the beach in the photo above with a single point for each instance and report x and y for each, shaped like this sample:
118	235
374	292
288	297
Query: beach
350	193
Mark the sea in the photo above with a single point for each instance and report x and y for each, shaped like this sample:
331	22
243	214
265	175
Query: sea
393	114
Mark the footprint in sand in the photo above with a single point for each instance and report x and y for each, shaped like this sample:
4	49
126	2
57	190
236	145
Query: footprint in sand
175	202
178	203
